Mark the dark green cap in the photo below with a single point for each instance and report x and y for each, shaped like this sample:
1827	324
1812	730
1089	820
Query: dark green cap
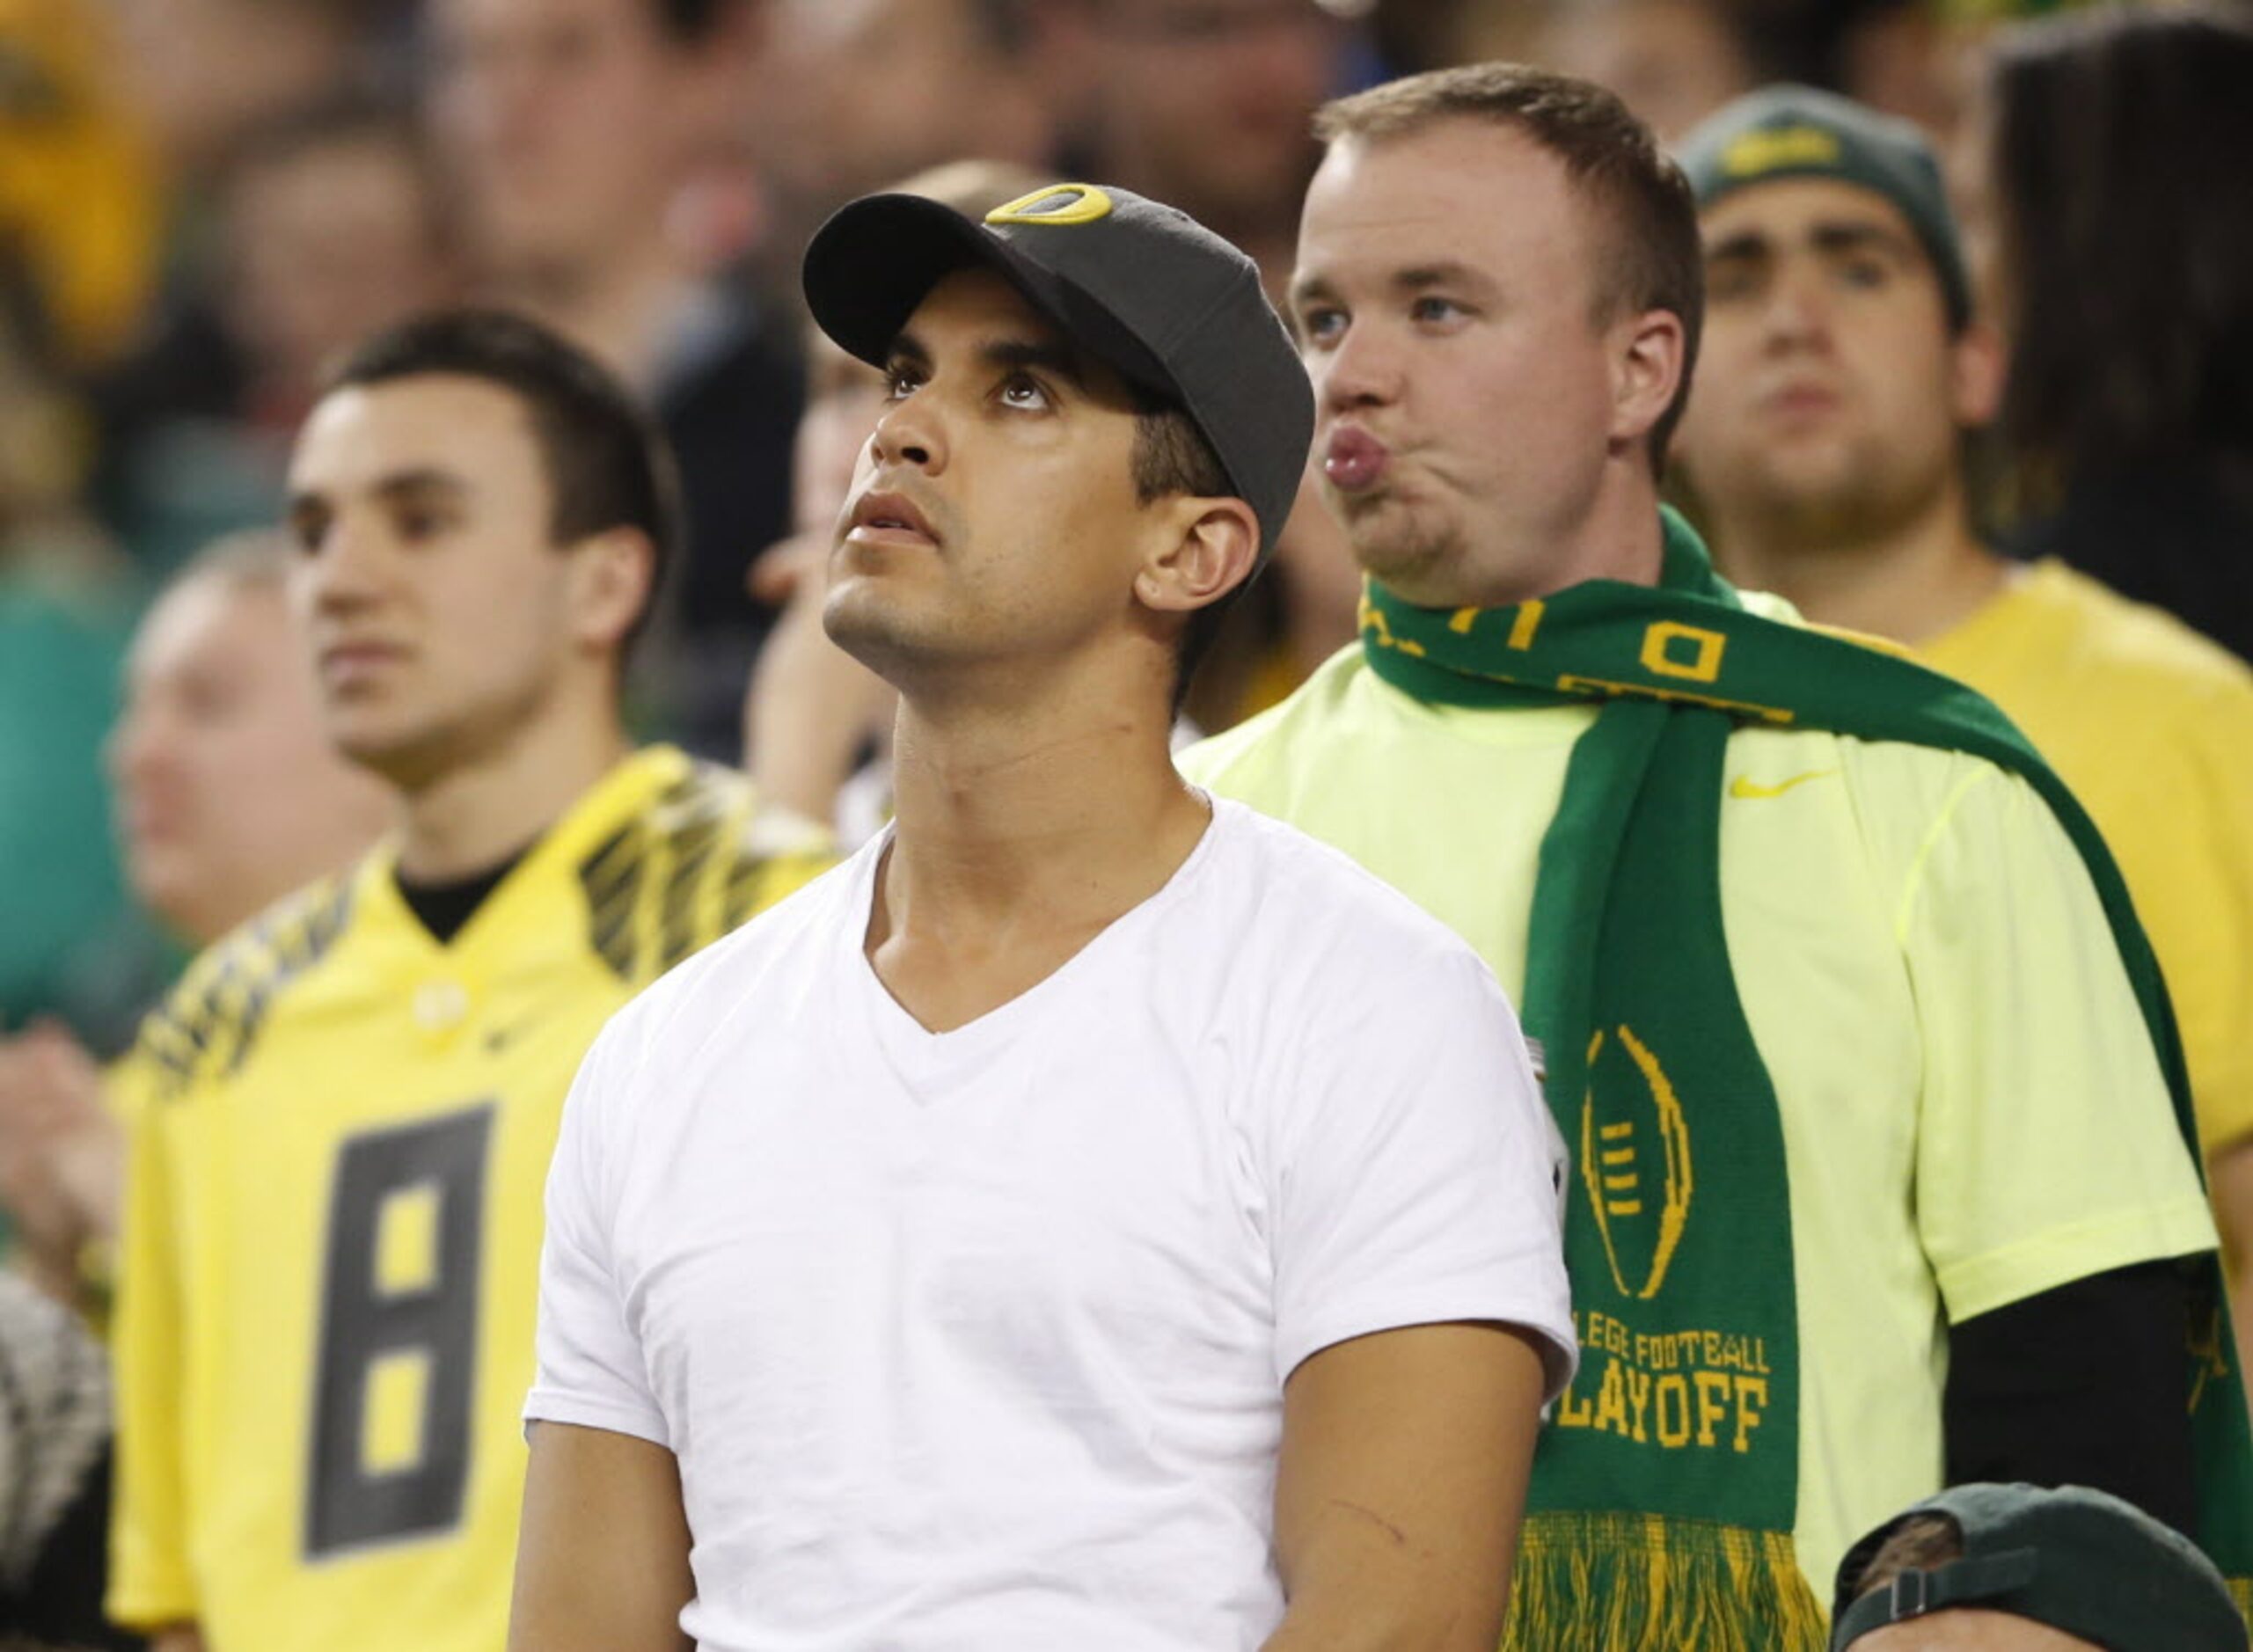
1798	132
2079	1560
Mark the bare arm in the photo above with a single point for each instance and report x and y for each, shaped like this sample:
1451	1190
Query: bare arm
2229	1183
1401	1487
602	1563
181	1637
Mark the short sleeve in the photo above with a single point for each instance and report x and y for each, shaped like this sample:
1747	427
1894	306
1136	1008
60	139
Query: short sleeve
2047	1145
591	1368
1418	1175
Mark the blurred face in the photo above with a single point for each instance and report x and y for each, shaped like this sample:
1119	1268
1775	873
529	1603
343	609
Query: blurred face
1970	1629
563	122
844	398
442	618
228	792
1831	393
1206	104
328	246
1672	61
859	93
993	514
1464	386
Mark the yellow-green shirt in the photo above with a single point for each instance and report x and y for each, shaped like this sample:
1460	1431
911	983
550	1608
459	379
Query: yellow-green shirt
2152	725
1972	1109
330	1248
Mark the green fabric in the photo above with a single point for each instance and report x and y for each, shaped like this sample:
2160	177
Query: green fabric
61	656
1629	988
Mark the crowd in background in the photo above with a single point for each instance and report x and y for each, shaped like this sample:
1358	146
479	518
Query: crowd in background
205	199
203	202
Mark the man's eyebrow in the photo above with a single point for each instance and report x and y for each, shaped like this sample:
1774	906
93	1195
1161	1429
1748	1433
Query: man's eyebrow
907	348
1446	273
1858	236
418	482
1742	244
1017	354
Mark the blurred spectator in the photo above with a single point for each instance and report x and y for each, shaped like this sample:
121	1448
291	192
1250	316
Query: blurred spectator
571	128
202	74
853	93
1205	105
64	617
1672	61
2104	179
220	709
329	226
79	202
2014	1568
1841	372
54	1458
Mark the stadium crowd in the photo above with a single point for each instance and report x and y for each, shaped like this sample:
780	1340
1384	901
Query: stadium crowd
443	593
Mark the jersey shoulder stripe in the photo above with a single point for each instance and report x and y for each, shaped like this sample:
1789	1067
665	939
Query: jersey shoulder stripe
689	868
207	1026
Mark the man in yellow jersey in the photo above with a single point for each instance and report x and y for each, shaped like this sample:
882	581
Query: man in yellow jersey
1843	367
1877	1179
333	1220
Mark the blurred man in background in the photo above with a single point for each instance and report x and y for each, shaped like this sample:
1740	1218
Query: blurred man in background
326	1275
1845	369
572	130
229	797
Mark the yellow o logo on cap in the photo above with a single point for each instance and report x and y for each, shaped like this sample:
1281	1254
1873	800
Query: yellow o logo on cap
1058	203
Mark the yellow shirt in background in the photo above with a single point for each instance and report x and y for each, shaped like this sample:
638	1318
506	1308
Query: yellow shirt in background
2152	725
332	1242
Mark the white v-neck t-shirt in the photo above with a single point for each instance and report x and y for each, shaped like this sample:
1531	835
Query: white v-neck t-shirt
975	1341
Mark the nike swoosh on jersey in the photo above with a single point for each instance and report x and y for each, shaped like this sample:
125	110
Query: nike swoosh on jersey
1742	787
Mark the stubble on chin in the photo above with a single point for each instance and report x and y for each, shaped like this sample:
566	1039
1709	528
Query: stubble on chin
1399	547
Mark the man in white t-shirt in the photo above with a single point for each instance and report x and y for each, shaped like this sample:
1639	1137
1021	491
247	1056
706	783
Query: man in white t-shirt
1093	1216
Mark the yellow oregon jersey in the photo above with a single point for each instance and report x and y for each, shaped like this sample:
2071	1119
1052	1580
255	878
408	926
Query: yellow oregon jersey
331	1244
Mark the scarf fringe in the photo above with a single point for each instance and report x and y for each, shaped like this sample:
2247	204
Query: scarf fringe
1624	1582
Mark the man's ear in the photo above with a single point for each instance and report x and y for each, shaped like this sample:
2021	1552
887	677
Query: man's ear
1211	550
611	574
1978	363
1647	360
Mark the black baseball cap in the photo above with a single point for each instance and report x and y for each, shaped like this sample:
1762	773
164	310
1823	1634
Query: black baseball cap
1173	308
2079	1560
1786	131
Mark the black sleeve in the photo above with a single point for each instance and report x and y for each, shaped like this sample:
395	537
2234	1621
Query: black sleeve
2083	1386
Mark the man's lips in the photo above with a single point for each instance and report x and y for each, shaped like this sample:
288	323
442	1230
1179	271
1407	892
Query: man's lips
1353	459
890	519
1799	401
344	663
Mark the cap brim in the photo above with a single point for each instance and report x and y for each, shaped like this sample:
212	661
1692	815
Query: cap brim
869	268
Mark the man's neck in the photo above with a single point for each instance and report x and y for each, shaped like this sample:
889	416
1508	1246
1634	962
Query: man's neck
1910	580
1020	835
1617	537
473	816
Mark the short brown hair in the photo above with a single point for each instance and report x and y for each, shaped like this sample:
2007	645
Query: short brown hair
1920	1543
1654	260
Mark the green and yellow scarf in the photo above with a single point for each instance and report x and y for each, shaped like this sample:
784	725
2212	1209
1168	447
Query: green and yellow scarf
1626	1547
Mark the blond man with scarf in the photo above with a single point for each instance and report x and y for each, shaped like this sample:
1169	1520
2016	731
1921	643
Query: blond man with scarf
1880	1178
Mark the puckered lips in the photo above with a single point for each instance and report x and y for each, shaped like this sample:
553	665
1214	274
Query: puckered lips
1353	458
889	518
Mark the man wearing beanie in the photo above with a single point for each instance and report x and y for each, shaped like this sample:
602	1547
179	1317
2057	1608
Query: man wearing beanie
1845	1013
2018	1568
1096	1216
1844	370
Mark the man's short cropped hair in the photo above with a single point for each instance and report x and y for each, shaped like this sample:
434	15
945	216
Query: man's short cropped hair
1654	260
606	465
